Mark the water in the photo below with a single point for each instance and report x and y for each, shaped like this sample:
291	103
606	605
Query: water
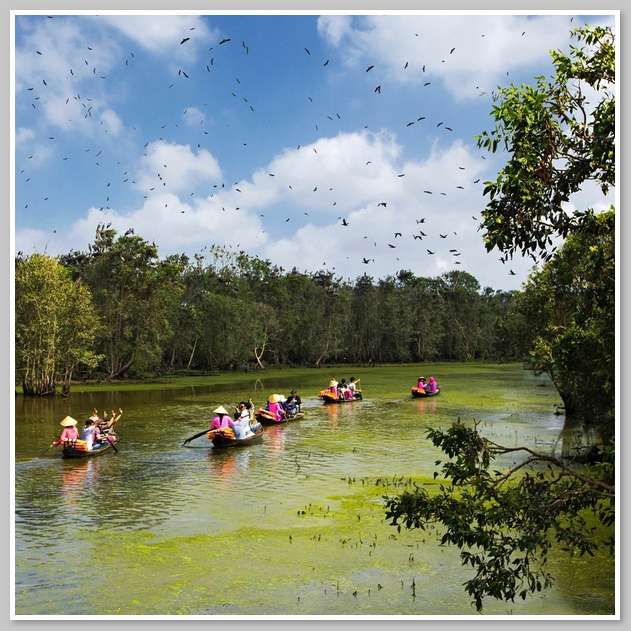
292	526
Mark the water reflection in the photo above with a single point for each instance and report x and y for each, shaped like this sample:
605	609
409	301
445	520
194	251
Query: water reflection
426	406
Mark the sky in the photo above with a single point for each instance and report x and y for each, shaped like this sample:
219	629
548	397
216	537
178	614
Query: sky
334	141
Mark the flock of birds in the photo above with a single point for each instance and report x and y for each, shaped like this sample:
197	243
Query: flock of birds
161	179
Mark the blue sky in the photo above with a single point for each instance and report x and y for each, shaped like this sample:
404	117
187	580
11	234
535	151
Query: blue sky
268	133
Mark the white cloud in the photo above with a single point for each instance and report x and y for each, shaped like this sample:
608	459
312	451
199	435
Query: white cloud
429	42
175	168
163	34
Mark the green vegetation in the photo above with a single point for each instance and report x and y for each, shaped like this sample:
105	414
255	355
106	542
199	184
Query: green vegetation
55	325
504	523
227	311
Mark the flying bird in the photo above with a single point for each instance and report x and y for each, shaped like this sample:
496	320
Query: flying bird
344	222
511	273
184	40
378	89
443	236
391	246
223	41
382	204
365	260
397	234
308	53
430	252
369	68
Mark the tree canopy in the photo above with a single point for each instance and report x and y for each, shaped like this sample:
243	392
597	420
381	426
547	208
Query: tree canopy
559	135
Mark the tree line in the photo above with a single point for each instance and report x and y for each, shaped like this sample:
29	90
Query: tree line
119	310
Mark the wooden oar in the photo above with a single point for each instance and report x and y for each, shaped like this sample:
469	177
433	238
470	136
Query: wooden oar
188	440
111	442
47	448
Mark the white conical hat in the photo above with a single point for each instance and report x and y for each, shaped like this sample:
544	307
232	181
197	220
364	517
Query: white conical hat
275	398
68	421
220	410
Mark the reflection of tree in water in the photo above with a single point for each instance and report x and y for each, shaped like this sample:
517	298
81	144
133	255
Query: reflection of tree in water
577	440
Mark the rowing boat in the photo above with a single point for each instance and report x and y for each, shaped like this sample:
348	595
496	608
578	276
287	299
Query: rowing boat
265	417
420	393
224	438
79	448
330	397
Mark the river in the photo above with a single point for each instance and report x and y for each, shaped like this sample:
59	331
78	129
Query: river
293	526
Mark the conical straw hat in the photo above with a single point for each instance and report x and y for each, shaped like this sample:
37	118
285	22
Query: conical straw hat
220	410
275	398
68	421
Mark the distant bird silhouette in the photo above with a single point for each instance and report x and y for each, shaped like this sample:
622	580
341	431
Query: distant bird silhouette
369	68
443	236
476	181
401	175
452	50
462	187
366	261
430	252
429	192
397	234
422	220
391	246
378	89
308	53
224	41
382	204
511	273
185	40
427	82
344	222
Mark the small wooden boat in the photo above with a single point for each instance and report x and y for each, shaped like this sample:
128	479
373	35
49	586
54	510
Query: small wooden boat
79	448
225	439
330	397
420	393
265	417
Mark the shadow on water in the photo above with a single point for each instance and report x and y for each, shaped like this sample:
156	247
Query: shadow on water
291	526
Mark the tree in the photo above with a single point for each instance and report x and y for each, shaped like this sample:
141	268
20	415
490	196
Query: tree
557	139
567	313
55	325
504	527
135	292
504	522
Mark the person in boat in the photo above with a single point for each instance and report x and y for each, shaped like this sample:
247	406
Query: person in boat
432	386
243	421
69	432
352	385
105	424
222	419
91	435
293	404
421	383
333	386
275	406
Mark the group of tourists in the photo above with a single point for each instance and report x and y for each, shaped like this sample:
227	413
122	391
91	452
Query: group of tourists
240	425
94	433
344	390
282	407
428	386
